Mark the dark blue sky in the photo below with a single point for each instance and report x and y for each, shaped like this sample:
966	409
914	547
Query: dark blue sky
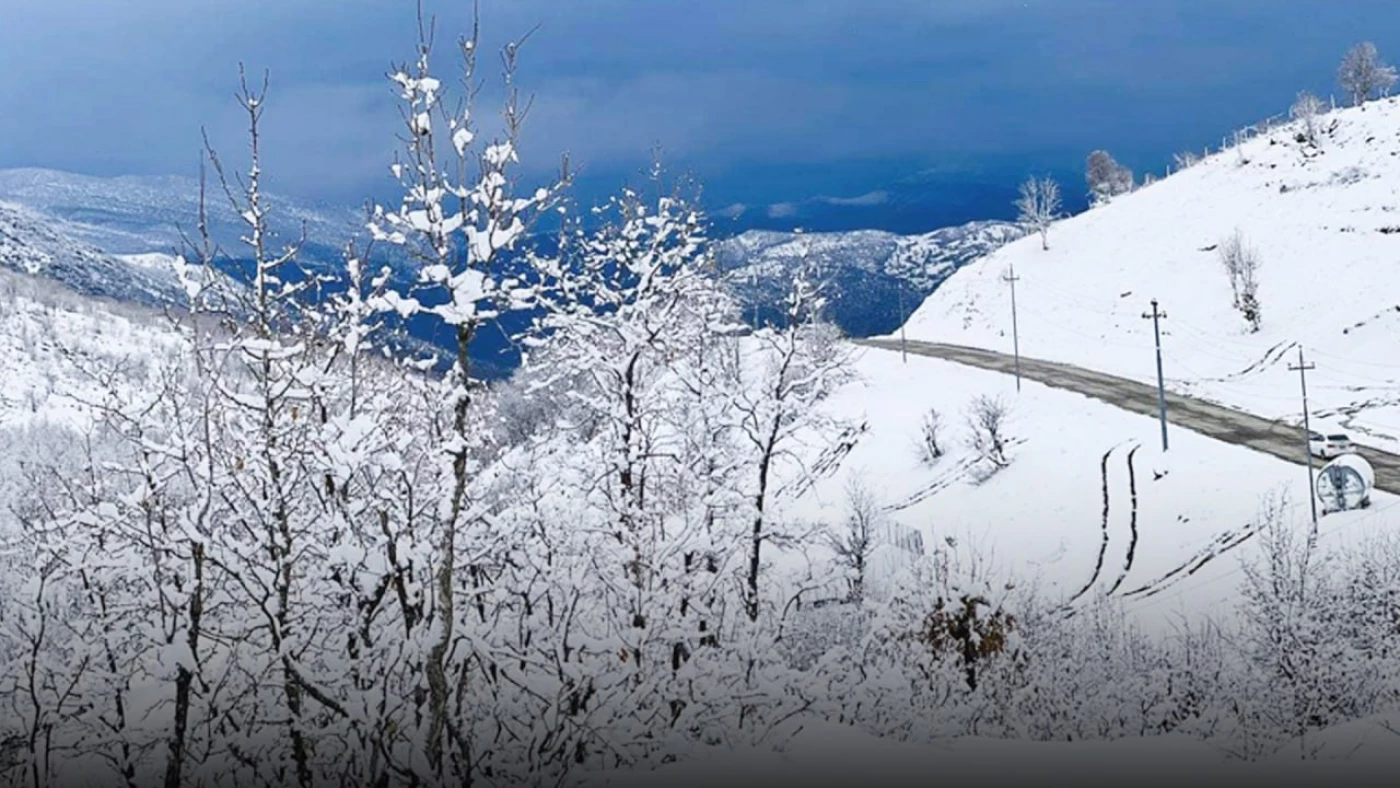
768	101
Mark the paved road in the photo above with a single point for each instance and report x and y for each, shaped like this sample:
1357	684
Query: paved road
1216	421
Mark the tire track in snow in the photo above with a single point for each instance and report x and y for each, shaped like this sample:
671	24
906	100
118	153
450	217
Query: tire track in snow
1103	545
1193	569
1132	523
1222	544
939	484
829	461
1271	357
947	479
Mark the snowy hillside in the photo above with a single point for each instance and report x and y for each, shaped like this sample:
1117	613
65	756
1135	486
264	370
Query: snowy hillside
1323	221
134	215
30	243
866	268
52	341
1087	505
55	348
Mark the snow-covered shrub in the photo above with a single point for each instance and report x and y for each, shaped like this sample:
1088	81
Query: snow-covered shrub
1318	636
986	422
1305	111
930	446
967	631
855	539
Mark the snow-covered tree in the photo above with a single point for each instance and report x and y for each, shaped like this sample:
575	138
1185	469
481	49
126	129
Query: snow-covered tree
633	345
634	297
1362	73
1241	262
1309	671
1106	177
854	541
792	368
1306	110
1039	206
460	220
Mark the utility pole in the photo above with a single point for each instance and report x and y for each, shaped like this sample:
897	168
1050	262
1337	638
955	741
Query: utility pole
1302	369
1157	317
1011	278
903	351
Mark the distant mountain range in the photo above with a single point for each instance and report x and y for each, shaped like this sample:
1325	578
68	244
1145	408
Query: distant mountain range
111	236
31	243
867	273
139	214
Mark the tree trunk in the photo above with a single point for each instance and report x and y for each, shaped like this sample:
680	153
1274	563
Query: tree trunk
760	499
184	680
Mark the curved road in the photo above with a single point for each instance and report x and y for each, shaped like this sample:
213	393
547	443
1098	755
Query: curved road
1216	421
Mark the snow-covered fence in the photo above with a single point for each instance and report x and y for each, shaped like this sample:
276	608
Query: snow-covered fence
905	538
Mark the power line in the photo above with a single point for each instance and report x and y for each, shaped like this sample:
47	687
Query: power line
1156	317
903	350
1302	369
1011	278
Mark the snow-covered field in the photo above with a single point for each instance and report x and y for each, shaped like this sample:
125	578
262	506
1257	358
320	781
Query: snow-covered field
1042	518
1326	225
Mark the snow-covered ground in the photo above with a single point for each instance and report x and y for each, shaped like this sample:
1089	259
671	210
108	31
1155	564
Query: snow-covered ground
1326	225
1042	517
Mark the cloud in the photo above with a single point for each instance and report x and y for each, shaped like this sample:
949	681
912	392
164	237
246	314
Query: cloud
128	85
868	199
782	210
108	86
